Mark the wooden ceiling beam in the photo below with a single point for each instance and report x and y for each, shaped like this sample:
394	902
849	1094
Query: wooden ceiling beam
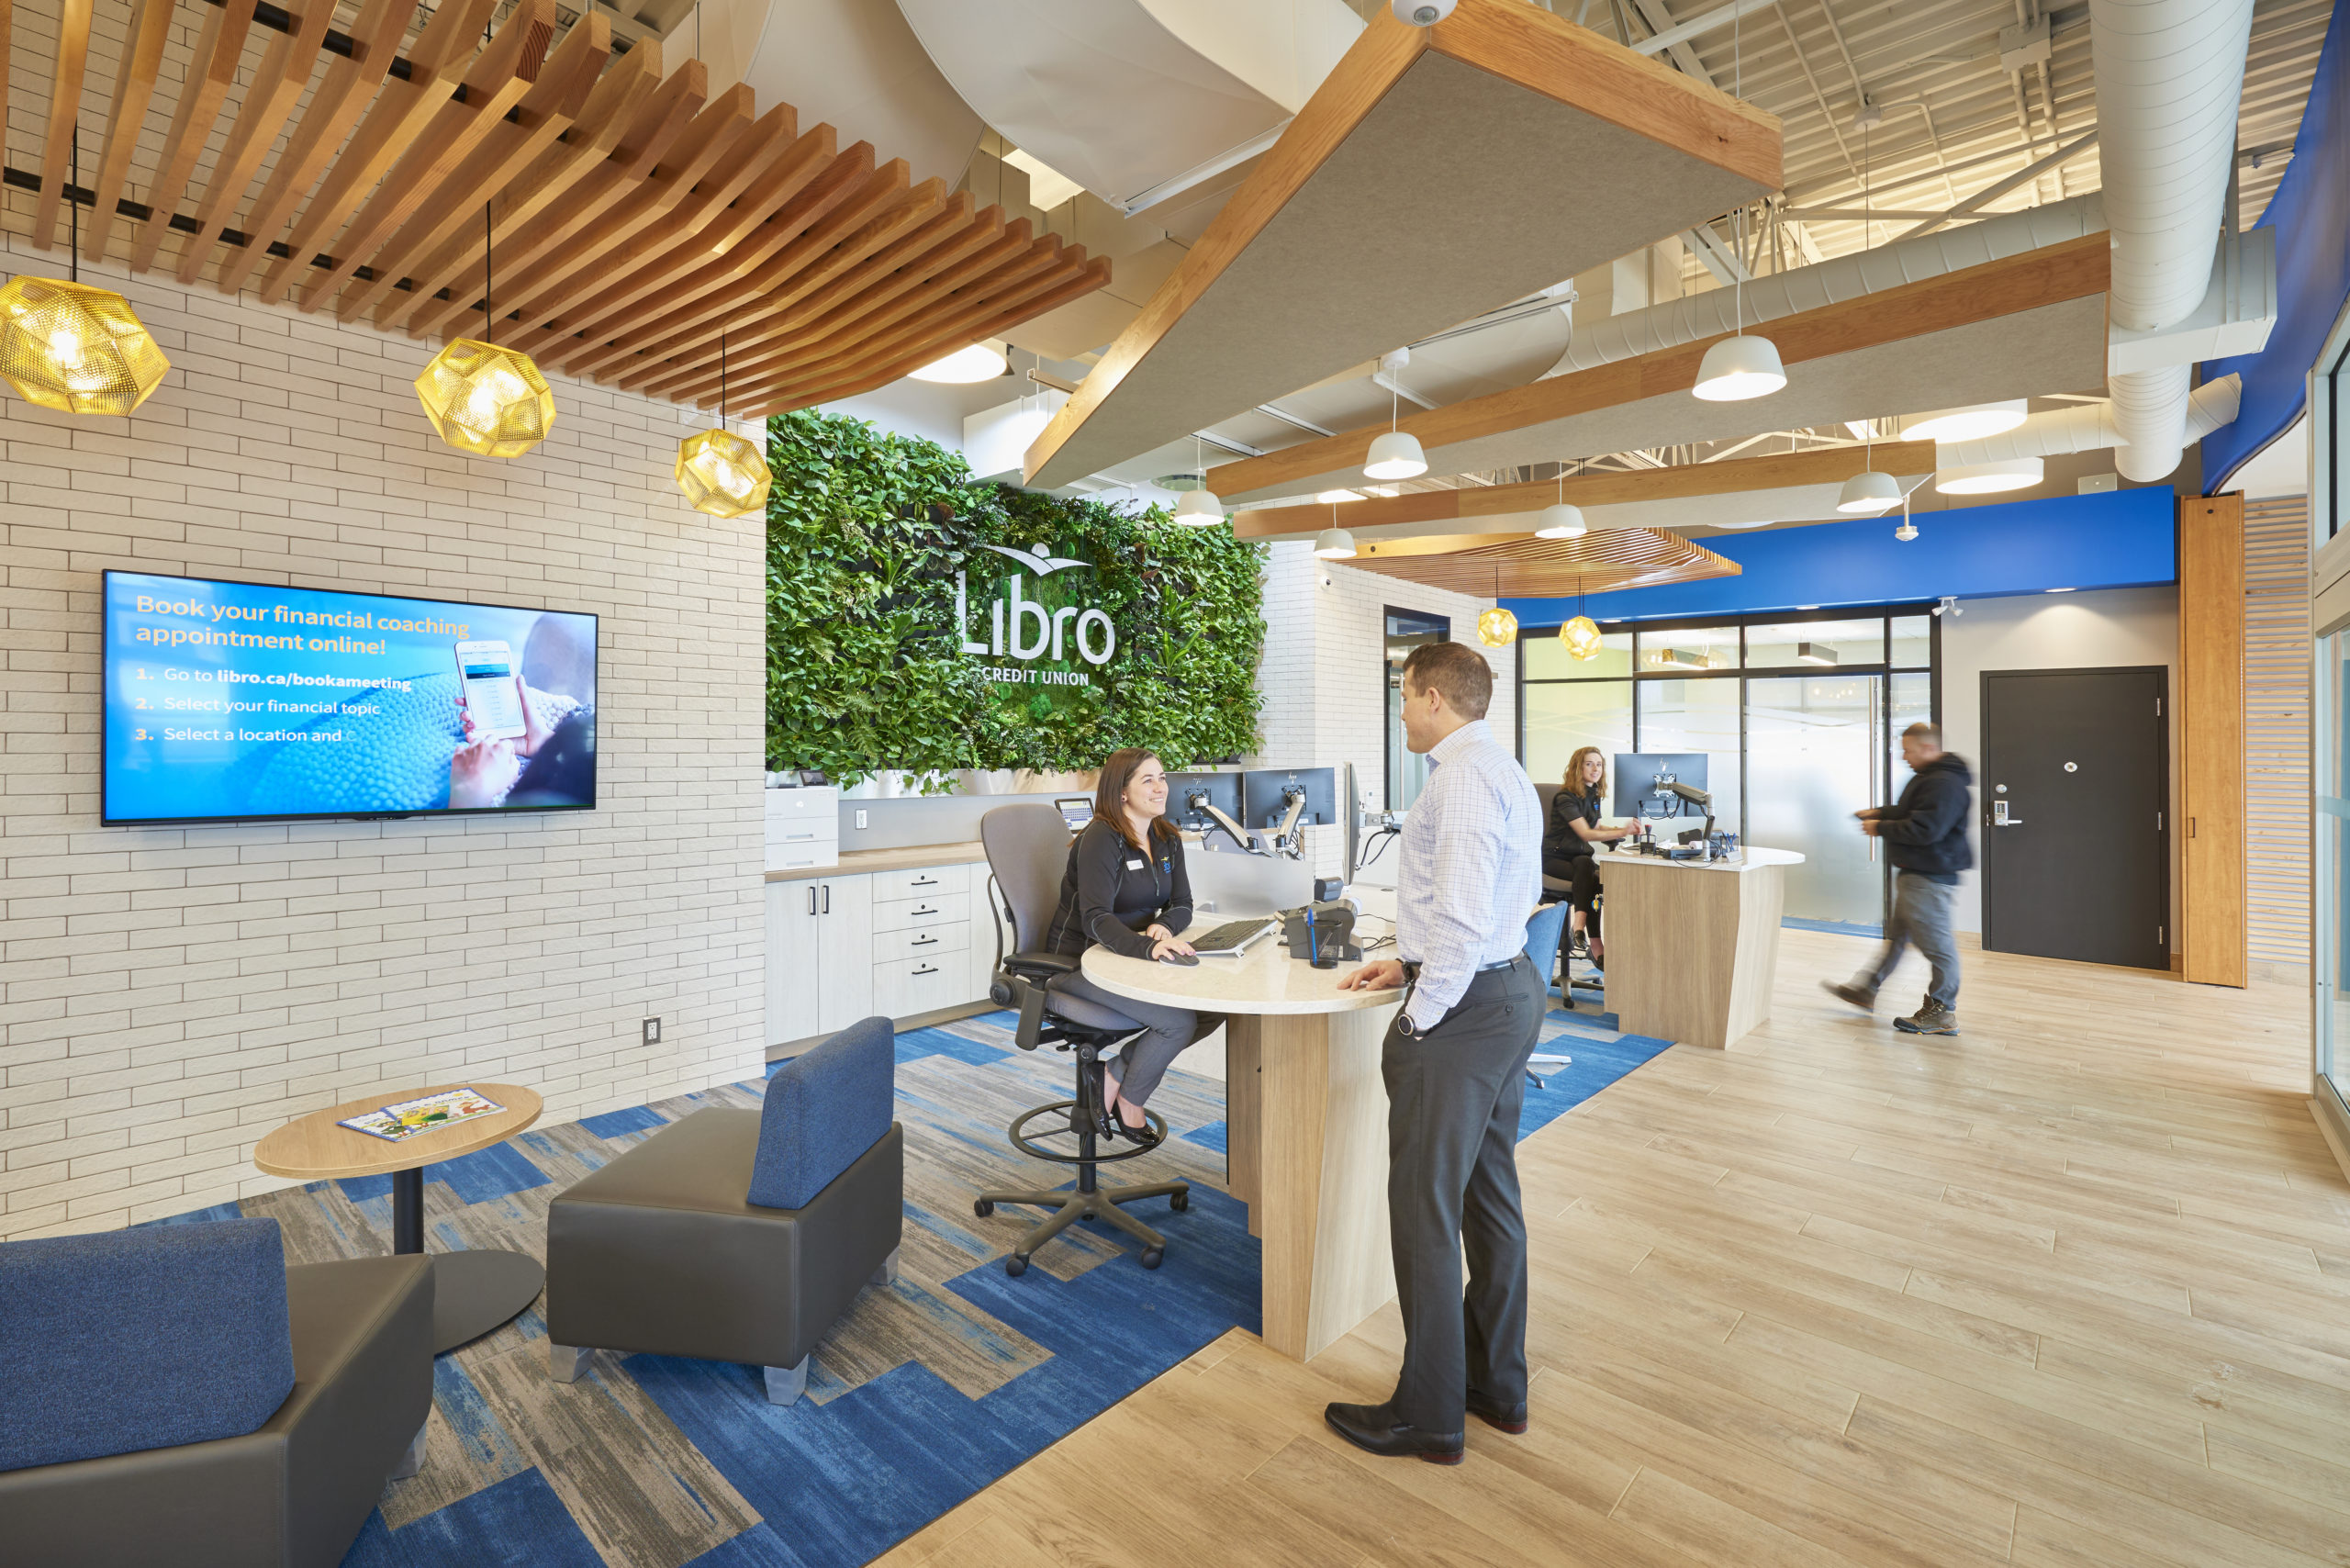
878	191
667	275
547	111
762	355
134	87
771	140
2074	269
610	103
1779	471
1095	276
906	217
601	211
501	78
64	108
351	82
219	46
1523	566
403	106
269	100
849	177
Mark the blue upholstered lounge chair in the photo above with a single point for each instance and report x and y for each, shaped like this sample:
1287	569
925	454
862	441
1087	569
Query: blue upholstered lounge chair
738	1234
176	1395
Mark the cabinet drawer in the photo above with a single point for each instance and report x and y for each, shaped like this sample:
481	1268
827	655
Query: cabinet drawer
904	987
905	914
801	855
927	881
922	941
803	805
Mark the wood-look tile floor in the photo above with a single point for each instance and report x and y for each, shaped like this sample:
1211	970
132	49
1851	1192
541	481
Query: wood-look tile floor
2072	1288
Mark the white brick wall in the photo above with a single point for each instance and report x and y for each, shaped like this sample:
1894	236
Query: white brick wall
168	995
1320	672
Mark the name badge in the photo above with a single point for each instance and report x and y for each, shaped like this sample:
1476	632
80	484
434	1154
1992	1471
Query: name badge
1134	865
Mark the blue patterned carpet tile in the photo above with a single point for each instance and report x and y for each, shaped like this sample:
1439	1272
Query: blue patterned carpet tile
518	1523
1212	1135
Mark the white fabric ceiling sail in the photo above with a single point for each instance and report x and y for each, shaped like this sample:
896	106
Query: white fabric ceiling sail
852	64
1105	92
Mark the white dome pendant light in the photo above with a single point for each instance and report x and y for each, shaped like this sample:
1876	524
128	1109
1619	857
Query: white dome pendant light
1199	508
1334	544
1559	520
1868	493
1739	367
1396	455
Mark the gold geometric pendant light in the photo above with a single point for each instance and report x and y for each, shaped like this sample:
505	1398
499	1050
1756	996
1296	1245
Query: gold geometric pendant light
482	398
720	472
68	346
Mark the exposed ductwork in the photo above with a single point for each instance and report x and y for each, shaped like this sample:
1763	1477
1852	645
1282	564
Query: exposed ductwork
1678	322
2091	427
2169	78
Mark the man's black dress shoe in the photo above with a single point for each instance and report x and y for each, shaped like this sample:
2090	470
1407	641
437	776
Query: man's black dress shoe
1375	1429
1510	1419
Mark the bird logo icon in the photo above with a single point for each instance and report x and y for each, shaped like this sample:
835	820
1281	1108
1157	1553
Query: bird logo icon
1038	559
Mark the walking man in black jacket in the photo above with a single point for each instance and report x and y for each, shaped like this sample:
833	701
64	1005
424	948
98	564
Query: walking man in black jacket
1925	834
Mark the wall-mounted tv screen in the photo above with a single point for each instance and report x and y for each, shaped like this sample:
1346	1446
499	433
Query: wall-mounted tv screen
230	702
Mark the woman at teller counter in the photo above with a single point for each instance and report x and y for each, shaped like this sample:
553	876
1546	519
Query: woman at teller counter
1570	839
1126	890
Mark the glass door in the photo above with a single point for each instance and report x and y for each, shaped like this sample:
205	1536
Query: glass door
1407	772
2331	887
1815	751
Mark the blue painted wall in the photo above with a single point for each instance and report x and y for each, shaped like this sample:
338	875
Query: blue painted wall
2121	539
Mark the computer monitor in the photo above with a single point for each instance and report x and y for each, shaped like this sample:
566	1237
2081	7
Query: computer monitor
1640	777
1076	809
1221	790
1262	792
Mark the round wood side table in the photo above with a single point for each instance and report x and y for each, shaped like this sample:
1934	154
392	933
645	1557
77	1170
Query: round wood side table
473	1291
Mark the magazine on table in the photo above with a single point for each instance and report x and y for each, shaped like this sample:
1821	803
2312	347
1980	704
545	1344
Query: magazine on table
398	1123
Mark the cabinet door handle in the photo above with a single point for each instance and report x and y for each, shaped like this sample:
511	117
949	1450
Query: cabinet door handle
923	942
828	898
811	898
923	882
926	969
796	838
925	910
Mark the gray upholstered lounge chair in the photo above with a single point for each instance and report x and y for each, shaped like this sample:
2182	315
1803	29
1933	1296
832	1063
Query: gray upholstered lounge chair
177	1394
737	1235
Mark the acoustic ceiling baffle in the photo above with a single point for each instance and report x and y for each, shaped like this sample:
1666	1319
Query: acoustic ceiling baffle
639	217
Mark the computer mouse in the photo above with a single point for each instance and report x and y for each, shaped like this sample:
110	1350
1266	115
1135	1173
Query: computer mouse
1189	960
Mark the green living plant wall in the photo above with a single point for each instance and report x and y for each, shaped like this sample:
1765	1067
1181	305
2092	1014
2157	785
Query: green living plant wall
866	532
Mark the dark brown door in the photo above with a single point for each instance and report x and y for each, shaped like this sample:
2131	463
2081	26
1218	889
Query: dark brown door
2071	795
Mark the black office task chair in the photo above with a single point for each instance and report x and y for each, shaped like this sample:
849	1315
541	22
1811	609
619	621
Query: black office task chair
1028	848
1555	890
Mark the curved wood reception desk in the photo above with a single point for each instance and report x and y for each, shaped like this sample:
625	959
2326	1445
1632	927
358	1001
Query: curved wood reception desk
1305	1127
1693	945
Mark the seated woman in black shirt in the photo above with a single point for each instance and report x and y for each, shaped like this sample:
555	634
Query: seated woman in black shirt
1126	890
1573	829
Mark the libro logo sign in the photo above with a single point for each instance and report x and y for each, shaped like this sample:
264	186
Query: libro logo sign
1051	625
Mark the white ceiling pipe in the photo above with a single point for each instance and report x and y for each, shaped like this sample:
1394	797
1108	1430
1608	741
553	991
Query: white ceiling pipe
2169	81
2088	426
1610	339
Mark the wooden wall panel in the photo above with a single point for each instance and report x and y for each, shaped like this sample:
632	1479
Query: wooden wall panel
2277	729
2212	737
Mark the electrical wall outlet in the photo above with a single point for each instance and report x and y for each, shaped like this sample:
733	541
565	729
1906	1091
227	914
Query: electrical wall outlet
860	821
653	1031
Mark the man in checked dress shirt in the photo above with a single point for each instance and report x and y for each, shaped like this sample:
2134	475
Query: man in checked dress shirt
1454	1061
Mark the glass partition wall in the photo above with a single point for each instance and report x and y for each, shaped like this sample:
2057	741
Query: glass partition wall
1798	717
2329	419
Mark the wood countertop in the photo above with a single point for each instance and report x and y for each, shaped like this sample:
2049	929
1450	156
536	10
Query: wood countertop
854	861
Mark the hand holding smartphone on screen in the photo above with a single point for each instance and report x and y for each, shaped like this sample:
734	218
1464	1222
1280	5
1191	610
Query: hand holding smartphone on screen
485	676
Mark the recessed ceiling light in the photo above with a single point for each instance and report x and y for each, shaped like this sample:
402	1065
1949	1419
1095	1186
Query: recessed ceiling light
2060	590
1990	478
1815	653
980	362
1806	606
1758	522
1972	422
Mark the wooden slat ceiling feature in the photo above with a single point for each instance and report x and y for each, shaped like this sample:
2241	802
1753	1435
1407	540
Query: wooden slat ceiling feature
627	225
1437	173
1522	566
1430	512
2013	328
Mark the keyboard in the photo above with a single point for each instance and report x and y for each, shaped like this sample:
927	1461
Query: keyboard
1230	938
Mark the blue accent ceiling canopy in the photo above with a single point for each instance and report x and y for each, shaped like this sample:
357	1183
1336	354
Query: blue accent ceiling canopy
2118	539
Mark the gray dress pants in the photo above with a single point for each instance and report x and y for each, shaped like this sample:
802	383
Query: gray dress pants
1145	1061
1453	1098
1921	914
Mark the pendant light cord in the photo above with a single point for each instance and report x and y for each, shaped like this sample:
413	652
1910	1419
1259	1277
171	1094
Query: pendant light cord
1737	90
74	206
488	281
